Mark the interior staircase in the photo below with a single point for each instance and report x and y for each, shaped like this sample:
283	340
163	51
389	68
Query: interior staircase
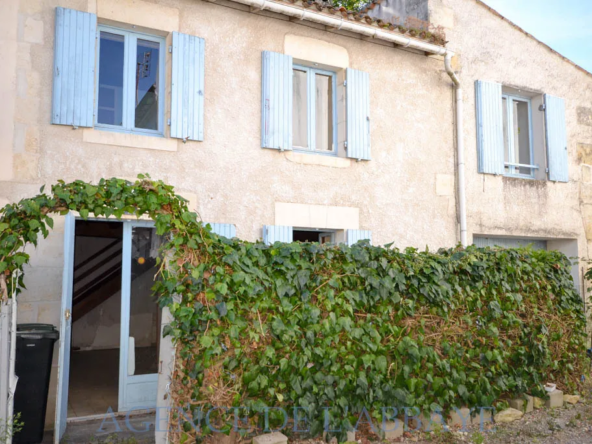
98	277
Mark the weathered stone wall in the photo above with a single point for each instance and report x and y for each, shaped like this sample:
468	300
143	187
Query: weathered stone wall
491	48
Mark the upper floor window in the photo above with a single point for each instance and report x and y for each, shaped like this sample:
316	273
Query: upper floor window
518	150
130	81
314	110
521	133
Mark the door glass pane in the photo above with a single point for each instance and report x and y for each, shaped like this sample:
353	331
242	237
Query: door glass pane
144	312
522	135
506	134
111	56
147	78
324	112
300	109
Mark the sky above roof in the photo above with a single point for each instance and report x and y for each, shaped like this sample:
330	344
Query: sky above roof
564	25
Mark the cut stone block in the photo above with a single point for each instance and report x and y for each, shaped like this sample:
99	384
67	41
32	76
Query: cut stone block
460	418
508	415
351	436
524	405
571	399
538	403
555	399
393	429
271	438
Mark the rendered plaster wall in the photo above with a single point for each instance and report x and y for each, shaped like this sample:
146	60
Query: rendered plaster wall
234	179
404	194
490	48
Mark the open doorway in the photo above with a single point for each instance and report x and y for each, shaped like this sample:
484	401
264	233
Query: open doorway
96	318
115	320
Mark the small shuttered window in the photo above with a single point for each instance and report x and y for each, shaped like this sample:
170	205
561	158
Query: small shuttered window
287	89
135	109
505	138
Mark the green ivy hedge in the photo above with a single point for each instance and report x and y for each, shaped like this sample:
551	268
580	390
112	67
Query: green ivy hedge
370	327
305	325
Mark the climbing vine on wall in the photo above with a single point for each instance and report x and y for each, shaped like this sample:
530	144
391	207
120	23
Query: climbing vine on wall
335	327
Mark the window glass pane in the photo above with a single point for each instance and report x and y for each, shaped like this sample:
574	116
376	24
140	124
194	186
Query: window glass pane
506	135
147	78
522	136
110	102
324	112
299	110
144	325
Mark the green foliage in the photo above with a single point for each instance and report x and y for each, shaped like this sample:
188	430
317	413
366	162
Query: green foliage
21	223
332	326
350	5
347	328
8	428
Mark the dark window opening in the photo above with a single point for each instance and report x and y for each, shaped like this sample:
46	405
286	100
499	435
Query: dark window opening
313	236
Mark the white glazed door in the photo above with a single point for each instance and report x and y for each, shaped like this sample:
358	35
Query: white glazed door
65	328
140	318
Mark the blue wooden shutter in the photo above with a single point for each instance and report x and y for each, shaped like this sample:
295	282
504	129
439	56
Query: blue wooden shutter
226	230
556	138
358	114
74	68
354	236
277	233
490	127
276	101
187	89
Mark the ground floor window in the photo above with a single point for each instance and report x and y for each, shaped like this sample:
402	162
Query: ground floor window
322	237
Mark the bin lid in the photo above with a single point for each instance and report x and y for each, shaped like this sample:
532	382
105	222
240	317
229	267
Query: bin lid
42	331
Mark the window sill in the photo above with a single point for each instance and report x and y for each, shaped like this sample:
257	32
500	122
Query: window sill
519	176
105	137
310	159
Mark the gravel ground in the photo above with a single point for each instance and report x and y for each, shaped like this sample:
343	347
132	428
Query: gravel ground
568	425
571	424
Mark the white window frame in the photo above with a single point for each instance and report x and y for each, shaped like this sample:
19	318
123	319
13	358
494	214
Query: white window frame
129	81
311	110
514	168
